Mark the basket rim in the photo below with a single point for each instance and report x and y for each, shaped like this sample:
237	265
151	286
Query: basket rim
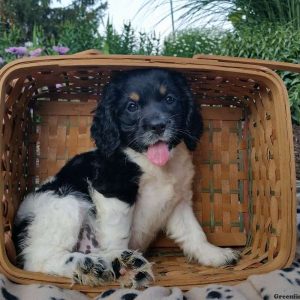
116	60
209	60
263	74
270	64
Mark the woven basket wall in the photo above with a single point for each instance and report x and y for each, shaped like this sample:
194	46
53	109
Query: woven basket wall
296	132
273	65
244	188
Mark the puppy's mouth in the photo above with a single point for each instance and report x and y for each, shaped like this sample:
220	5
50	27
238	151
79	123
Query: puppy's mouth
158	153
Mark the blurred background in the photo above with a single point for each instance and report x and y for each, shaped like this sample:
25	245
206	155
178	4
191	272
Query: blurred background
266	29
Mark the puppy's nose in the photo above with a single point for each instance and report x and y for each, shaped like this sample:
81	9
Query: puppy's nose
157	126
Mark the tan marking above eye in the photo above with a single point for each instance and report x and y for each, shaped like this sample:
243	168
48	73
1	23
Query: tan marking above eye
134	96
162	89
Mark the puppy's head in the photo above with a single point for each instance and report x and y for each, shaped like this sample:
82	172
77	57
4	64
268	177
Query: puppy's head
148	110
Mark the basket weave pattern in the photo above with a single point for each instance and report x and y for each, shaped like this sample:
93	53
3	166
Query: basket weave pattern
296	131
243	195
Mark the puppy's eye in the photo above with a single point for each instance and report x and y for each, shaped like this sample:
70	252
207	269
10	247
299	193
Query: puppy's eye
170	99
132	106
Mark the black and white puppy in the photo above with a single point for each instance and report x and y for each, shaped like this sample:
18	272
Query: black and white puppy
90	220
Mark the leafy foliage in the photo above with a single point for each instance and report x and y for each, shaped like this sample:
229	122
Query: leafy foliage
79	37
190	42
128	42
9	38
25	15
275	11
292	82
265	41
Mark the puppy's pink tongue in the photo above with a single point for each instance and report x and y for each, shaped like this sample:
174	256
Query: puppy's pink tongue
158	153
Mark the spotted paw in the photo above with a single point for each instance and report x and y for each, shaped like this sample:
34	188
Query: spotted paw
216	256
133	270
92	271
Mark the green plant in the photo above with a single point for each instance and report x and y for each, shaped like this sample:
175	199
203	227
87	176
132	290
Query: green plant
38	37
265	41
292	82
30	13
128	42
115	43
148	44
275	11
79	37
193	41
7	39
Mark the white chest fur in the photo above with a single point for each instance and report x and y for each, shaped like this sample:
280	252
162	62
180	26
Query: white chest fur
160	190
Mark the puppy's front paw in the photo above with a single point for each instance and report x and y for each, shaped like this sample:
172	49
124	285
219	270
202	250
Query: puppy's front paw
216	256
133	270
92	271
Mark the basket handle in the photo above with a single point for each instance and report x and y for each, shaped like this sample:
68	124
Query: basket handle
271	64
89	52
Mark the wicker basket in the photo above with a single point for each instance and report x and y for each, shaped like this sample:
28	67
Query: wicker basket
273	65
296	131
244	188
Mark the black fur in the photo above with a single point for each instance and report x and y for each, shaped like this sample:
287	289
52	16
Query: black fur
193	119
115	176
20	235
104	129
116	267
141	276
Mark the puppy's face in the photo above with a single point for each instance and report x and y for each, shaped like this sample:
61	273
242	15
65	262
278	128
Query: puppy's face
148	110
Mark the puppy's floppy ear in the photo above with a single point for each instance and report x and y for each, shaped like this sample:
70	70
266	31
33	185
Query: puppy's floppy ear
104	128
193	118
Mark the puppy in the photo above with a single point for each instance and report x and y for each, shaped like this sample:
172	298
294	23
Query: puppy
90	220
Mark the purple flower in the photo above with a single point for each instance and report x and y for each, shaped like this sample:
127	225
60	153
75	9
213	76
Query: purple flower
1	61
36	52
60	49
18	51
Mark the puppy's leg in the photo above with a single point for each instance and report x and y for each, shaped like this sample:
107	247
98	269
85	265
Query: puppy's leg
52	235
183	227
112	228
113	221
